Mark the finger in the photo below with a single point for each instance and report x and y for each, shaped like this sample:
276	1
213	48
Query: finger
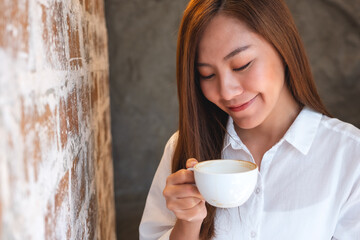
182	176
181	191
191	162
196	213
182	203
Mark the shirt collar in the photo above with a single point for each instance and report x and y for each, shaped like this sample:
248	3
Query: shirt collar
231	137
302	132
300	135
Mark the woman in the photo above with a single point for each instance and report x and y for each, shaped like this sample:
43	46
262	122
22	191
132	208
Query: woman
246	92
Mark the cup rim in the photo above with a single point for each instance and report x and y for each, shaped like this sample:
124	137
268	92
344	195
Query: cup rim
253	168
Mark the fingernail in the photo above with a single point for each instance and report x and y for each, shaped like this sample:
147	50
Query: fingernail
194	161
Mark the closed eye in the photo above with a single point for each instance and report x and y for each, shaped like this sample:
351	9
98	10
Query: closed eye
243	67
236	70
207	77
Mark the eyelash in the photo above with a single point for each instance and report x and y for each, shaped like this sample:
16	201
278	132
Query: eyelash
236	70
243	67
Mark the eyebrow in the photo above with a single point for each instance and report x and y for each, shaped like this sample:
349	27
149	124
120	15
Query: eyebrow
236	51
230	55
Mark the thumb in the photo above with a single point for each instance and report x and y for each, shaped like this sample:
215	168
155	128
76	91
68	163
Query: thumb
191	162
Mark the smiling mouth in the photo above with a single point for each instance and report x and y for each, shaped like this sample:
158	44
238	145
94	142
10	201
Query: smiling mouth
242	106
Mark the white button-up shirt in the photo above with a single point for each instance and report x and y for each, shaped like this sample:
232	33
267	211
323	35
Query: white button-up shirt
308	186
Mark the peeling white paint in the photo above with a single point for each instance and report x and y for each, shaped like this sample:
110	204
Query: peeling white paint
31	90
10	29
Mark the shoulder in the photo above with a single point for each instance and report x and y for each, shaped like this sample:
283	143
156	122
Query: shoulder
169	150
338	147
172	142
336	128
339	143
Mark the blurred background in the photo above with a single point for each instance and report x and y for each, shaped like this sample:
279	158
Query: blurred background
142	46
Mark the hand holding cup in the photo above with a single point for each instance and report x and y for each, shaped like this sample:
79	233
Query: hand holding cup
182	196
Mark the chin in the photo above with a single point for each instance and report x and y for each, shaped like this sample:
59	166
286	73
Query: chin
247	126
247	123
250	121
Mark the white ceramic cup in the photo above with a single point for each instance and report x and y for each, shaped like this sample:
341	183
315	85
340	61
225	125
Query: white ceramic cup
225	183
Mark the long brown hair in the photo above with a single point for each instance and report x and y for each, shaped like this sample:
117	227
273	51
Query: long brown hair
202	125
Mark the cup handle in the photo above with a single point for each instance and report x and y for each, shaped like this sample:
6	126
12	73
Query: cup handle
191	169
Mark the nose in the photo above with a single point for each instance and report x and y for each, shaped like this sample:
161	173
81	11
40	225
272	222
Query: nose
230	86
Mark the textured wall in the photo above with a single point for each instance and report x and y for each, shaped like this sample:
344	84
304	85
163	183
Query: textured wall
331	33
142	43
56	174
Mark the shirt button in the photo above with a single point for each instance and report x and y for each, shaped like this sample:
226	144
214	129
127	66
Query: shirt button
253	234
257	191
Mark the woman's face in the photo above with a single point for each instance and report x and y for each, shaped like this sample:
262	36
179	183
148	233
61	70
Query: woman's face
241	73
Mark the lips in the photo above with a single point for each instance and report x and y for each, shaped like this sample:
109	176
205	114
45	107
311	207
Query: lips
238	108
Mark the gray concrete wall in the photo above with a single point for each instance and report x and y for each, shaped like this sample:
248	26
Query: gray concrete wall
142	45
331	33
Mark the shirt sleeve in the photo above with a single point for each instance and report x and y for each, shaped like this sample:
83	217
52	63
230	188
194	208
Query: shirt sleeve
348	226
157	221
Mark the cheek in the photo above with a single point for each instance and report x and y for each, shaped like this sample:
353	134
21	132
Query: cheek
276	70
208	90
256	79
266	78
276	76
